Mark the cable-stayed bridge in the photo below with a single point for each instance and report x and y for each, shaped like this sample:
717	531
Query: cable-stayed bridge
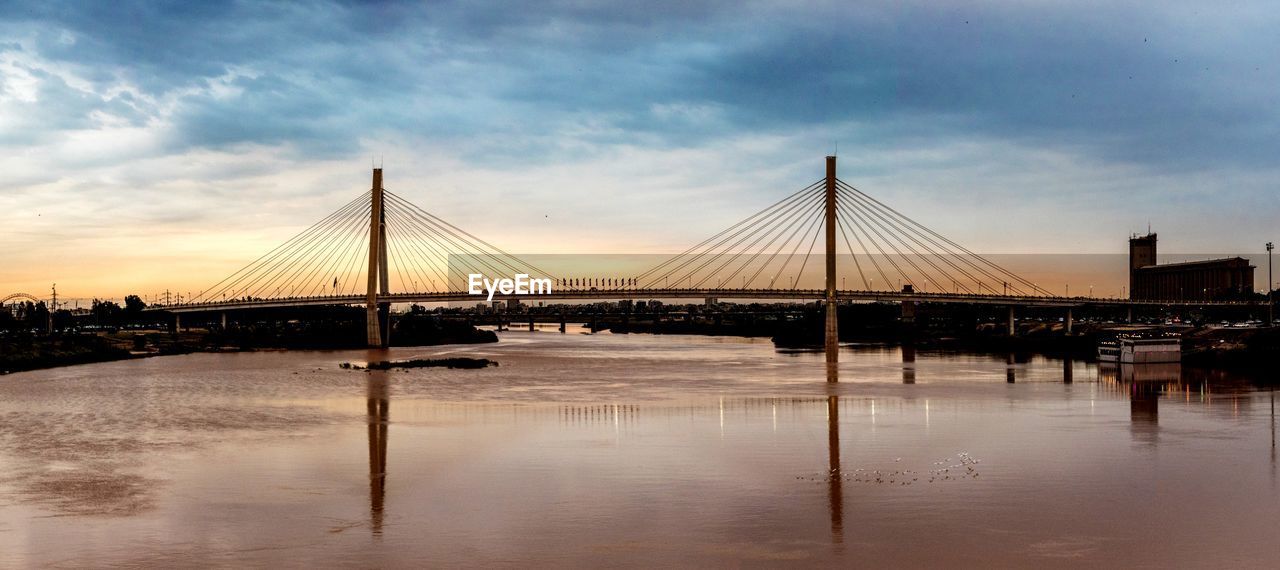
380	248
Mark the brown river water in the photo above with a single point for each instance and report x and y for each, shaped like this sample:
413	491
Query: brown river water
604	450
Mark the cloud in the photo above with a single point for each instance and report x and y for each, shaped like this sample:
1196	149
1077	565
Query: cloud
142	117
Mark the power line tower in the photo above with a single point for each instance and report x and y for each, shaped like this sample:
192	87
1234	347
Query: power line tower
53	308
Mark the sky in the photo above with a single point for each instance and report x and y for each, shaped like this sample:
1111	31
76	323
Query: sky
152	145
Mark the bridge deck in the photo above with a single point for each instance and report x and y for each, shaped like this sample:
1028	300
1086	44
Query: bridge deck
723	294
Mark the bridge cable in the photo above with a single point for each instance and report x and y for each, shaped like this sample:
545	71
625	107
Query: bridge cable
776	218
735	245
460	243
820	215
418	241
520	266
957	246
944	254
425	249
854	228
748	281
423	259
816	211
860	224
283	249
896	235
524	263
304	258
275	251
331	269
286	259
865	285
751	257
800	272
767	218
303	278
729	229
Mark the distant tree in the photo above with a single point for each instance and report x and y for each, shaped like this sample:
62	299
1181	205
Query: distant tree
62	320
37	315
133	305
106	313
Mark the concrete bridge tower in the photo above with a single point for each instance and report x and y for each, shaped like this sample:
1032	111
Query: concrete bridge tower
377	314
832	344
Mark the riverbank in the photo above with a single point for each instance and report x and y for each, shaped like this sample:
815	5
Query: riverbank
30	352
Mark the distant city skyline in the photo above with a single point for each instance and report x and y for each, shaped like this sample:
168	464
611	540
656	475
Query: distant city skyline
150	147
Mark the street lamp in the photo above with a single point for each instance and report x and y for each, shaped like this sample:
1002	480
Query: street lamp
1271	288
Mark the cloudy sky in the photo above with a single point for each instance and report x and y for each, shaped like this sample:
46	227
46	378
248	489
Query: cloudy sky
147	145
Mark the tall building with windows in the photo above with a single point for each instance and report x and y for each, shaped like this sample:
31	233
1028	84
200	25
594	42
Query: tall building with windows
1209	280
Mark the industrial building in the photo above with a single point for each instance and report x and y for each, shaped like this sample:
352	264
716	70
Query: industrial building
1209	280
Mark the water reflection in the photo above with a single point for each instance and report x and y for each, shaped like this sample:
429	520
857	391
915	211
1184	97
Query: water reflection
378	405
722	468
908	364
1067	371
1009	375
835	490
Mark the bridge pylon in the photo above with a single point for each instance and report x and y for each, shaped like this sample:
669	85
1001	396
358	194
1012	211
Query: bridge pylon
377	314
831	332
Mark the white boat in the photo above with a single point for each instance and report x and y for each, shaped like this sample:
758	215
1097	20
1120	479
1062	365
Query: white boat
1149	350
1108	351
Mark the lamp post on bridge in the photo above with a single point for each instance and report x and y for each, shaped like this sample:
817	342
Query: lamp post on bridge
1271	289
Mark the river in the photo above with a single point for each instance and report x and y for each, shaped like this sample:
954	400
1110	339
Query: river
635	450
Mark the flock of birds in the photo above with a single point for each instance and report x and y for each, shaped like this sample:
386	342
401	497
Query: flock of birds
963	466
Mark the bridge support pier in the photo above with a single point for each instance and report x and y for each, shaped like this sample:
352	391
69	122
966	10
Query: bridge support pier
177	323
1130	317
908	314
831	331
1013	329
1068	321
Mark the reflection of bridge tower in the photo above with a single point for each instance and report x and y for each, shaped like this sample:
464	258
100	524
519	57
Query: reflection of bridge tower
379	409
908	364
835	491
377	315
